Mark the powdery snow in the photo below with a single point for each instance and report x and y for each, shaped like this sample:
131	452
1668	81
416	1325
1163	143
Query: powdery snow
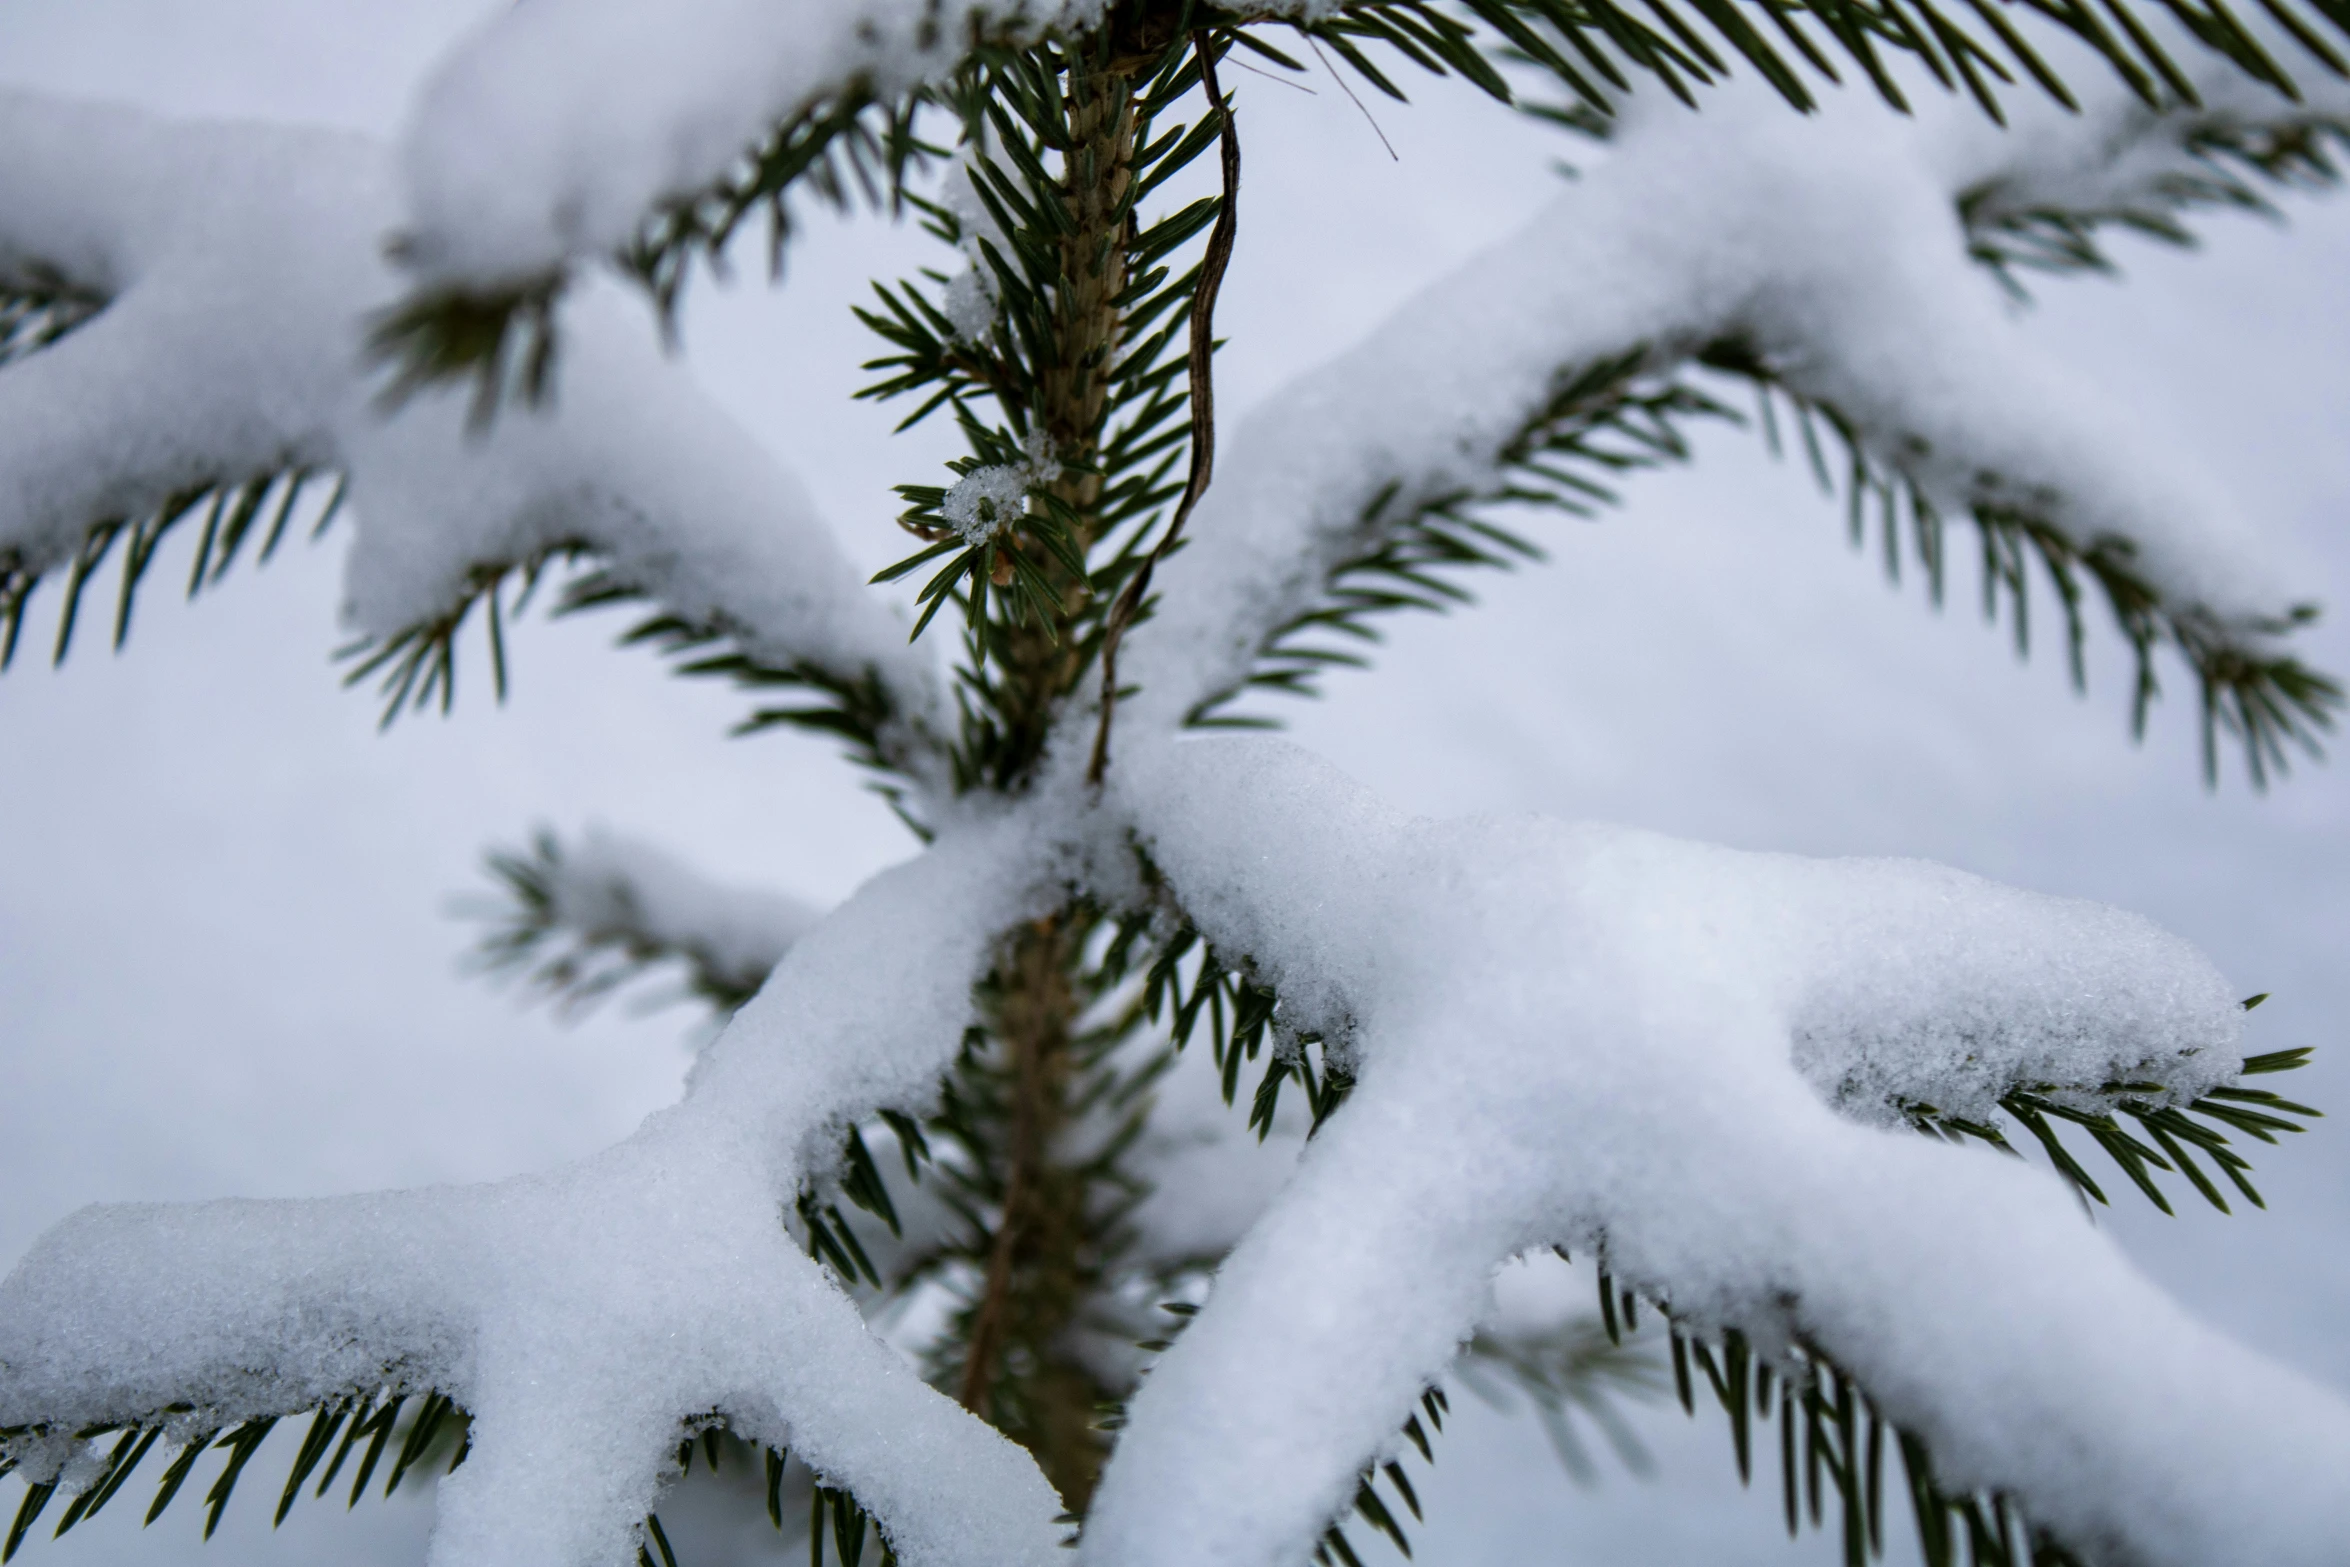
584	1315
560	125
1687	1057
1831	244
1596	1036
556	128
243	264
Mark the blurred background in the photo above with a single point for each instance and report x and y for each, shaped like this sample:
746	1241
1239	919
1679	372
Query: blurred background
231	939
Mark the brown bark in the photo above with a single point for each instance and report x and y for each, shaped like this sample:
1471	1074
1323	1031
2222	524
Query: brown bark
1043	1260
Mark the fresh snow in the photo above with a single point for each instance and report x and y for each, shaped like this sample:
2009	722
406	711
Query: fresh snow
1832	244
552	132
243	264
1598	1037
585	1314
1691	1060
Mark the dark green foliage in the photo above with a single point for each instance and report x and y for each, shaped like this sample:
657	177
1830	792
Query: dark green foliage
851	141
2269	704
416	668
230	514
39	305
1607	418
1602	422
434	1435
2238	164
578	967
1035	590
1092	507
398	1435
504	343
1585	1366
1832	1443
1842	1434
1368	1504
2180	1133
1629	413
850	145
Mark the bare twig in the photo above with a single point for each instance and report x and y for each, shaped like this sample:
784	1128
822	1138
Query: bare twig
1362	108
1203	402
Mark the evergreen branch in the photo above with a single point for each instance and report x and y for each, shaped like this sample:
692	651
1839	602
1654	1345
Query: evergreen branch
1040	1255
833	1511
39	305
1053	512
1629	413
1601	422
434	1437
1590	45
1188	981
504	343
1578	1365
580	923
2180	1133
2229	163
853	143
230	514
416	668
399	1433
856	145
2270	703
1832	1444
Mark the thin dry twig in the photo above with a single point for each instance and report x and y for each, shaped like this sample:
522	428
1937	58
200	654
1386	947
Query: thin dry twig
1203	402
1361	107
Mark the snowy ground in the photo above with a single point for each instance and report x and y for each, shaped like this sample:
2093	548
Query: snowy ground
227	964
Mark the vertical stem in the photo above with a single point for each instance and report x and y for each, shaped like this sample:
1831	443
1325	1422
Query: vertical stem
1044	1258
1041	665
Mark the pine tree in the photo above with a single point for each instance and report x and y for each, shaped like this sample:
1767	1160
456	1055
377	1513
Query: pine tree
1043	1085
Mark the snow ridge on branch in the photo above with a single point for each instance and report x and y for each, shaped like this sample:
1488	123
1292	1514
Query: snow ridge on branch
1585	1035
583	1317
1695	1061
238	267
1824	258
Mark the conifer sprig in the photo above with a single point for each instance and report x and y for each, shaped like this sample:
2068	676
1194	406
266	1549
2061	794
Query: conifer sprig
2179	1133
1601	423
2269	703
39	305
398	1432
535	936
1049	521
852	142
1632	412
226	515
416	668
2237	166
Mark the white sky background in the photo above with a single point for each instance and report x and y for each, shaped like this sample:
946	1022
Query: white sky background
227	964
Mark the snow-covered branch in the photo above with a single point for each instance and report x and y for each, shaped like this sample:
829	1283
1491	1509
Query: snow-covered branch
1826	257
1608	1039
586	917
1704	1066
587	1316
561	125
238	266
